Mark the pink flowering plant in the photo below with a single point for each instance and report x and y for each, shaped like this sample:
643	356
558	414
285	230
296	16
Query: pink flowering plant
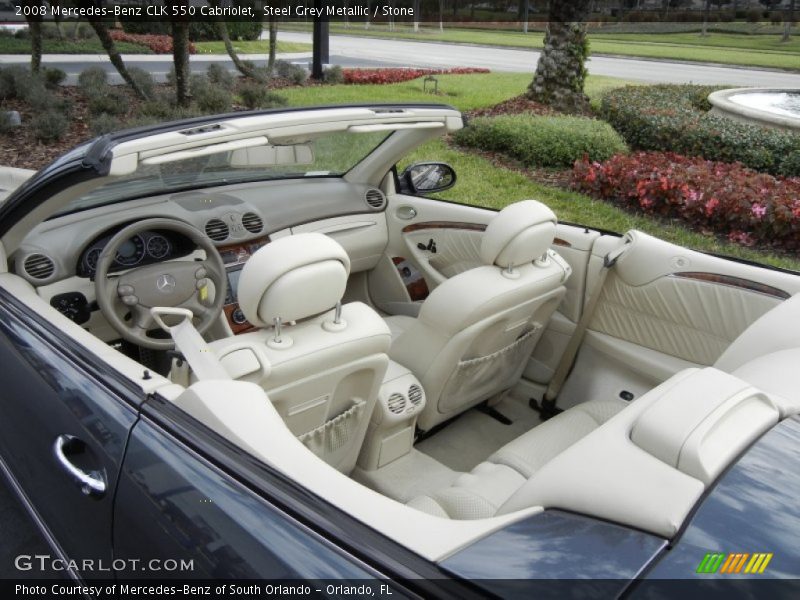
727	199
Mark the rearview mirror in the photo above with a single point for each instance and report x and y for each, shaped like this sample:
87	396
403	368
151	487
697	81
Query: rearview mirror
429	177
270	156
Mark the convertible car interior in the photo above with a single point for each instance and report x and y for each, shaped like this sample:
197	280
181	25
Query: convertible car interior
278	278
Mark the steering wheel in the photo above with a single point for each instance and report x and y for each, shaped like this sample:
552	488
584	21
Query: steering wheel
199	286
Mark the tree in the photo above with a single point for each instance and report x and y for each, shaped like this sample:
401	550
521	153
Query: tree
273	42
35	30
788	21
561	73
222	29
180	59
114	56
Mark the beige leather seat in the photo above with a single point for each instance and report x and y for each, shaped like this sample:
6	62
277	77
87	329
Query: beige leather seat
475	332
322	373
484	490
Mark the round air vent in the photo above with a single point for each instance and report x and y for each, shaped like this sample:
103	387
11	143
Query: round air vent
375	198
396	403
415	394
39	266
217	230
252	222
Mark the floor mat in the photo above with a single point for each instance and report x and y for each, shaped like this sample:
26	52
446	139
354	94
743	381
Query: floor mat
474	436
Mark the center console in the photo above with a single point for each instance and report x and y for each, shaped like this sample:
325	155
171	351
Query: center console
235	256
391	430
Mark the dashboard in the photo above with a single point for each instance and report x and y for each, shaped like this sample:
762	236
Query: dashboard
144	249
59	256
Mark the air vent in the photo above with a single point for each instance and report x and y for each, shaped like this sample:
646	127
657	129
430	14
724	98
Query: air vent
39	266
217	230
396	403
375	198
252	222
415	394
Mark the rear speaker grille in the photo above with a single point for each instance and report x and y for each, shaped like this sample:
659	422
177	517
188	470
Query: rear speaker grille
217	230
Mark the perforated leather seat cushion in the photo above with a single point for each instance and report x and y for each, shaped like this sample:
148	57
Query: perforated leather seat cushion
481	492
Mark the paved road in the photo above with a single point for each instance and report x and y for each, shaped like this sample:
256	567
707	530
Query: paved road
369	52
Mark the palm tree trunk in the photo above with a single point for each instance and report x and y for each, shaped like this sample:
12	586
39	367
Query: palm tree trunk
561	74
180	58
222	28
35	29
273	42
113	54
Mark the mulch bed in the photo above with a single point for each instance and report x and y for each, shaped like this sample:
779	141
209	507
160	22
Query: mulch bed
514	106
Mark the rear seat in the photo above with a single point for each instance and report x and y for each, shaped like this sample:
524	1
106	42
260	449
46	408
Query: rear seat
764	355
481	492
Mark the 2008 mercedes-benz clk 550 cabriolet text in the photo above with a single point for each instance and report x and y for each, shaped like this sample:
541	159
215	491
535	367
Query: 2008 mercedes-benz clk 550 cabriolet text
249	342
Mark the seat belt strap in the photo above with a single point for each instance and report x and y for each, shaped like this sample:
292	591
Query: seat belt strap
568	357
188	341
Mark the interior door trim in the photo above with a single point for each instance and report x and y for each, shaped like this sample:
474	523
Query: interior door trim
736	282
422	225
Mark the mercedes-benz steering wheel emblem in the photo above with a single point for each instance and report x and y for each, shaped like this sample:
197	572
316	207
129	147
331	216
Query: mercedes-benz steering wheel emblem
165	283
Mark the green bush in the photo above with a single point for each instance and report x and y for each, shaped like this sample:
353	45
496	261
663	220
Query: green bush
675	118
219	76
105	123
334	75
92	81
256	95
159	107
49	126
11	78
111	101
53	77
212	99
538	141
144	80
294	73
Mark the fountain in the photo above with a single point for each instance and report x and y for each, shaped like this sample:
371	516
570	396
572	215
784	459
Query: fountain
778	108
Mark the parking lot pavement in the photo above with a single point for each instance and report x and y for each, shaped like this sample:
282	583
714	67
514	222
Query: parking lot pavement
18	535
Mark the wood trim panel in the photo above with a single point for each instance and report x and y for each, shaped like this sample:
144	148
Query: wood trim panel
443	225
737	282
423	225
414	281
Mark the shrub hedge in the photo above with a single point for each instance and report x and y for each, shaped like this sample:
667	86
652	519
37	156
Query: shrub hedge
675	118
729	199
543	141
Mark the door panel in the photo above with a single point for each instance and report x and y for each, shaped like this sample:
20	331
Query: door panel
47	394
664	308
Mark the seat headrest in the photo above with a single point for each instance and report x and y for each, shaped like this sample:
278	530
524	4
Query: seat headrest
293	278
520	233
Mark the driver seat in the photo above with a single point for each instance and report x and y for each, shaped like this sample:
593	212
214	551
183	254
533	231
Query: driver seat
320	362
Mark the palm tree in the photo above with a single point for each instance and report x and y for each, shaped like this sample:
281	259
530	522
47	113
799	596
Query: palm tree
180	59
113	54
561	73
35	30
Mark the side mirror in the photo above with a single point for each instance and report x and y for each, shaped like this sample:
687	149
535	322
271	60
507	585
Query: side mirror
429	177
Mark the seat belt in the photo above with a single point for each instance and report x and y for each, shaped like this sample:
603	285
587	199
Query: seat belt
188	341
574	344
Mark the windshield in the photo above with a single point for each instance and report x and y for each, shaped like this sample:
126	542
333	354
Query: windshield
330	155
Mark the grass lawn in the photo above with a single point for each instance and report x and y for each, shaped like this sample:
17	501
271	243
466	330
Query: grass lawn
725	48
464	92
251	47
482	183
12	45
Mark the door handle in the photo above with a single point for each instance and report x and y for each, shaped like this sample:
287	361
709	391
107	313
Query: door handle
92	483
